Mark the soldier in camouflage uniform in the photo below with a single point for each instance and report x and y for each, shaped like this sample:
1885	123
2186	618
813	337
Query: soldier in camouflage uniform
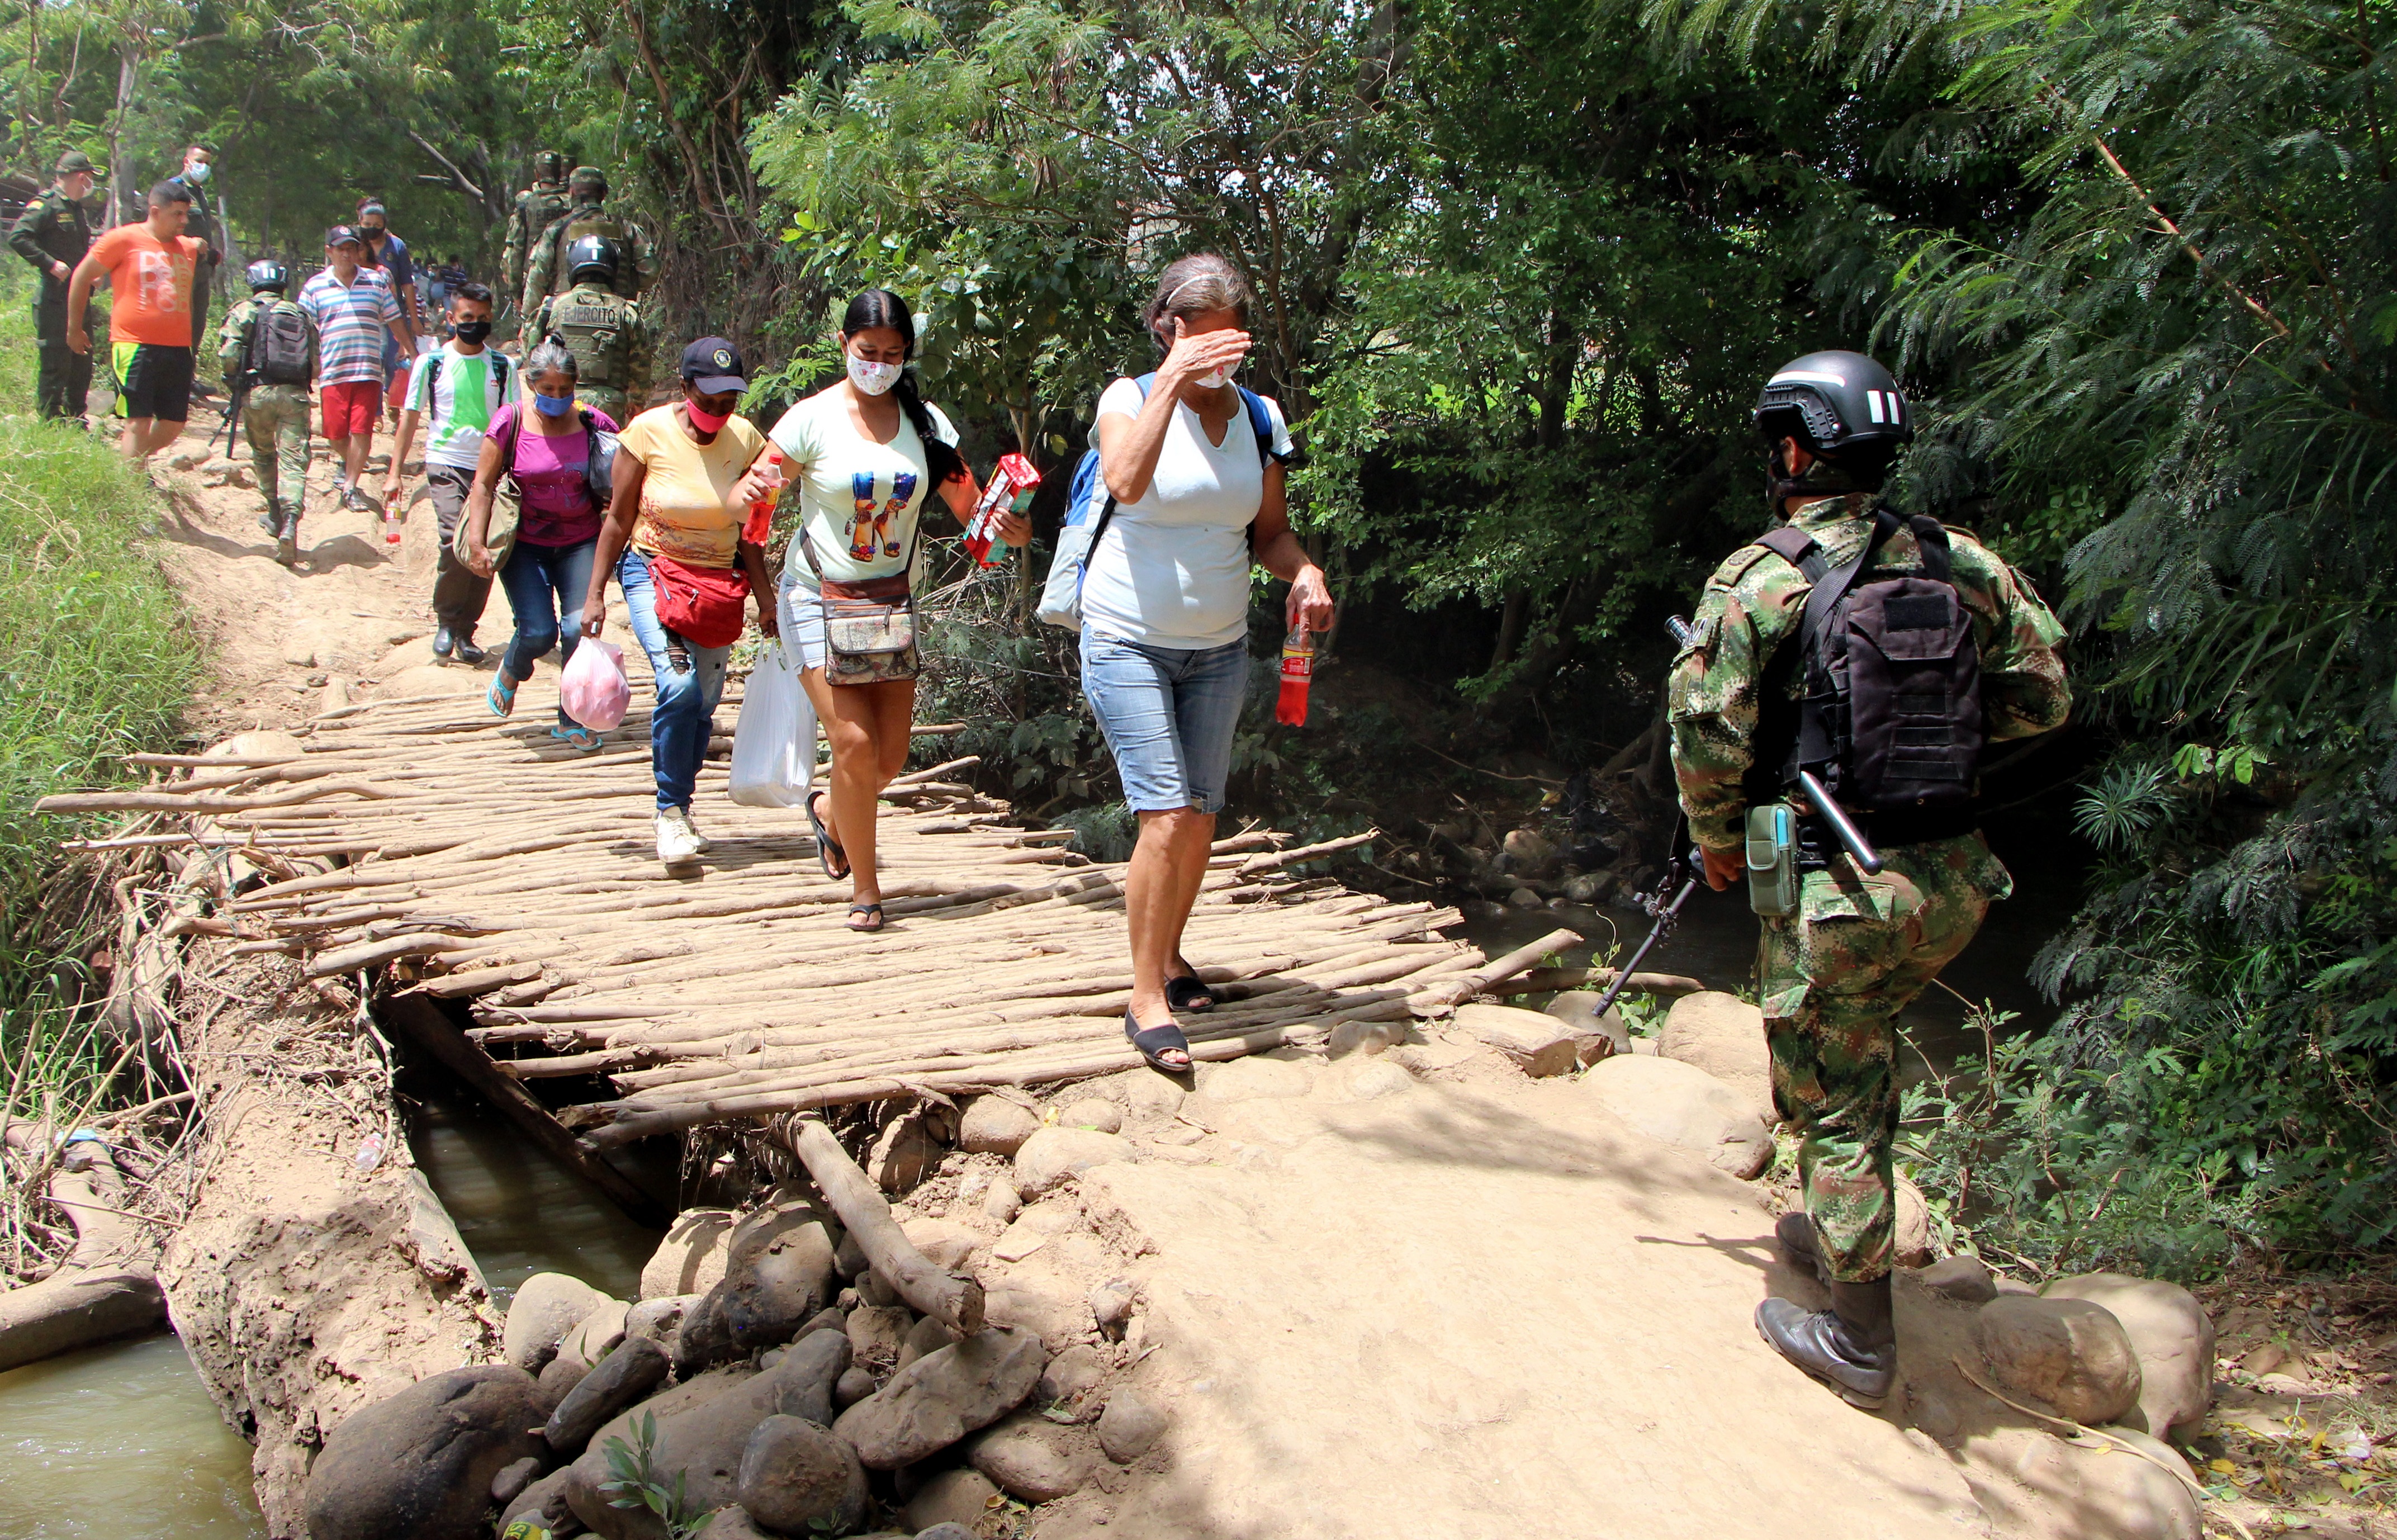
53	233
602	329
546	268
274	416
537	208
1834	975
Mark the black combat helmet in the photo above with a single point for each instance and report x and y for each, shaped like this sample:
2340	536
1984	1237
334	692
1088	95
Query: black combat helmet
551	166
591	256
1835	401
266	272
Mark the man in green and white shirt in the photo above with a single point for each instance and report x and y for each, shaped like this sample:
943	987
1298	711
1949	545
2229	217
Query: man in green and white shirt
457	392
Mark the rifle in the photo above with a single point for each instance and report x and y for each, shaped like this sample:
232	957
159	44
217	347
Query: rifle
238	395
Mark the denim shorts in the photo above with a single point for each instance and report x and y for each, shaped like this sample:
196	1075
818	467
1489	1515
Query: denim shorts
800	610
1169	714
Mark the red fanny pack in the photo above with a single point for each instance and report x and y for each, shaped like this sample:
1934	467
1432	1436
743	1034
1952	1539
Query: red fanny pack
704	606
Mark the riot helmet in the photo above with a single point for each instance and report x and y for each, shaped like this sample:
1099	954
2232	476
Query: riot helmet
1847	410
591	257
266	272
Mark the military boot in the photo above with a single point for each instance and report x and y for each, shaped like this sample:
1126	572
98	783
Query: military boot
1796	1234
1851	1347
287	531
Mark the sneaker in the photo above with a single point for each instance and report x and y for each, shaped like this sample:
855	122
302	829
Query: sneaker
358	502
678	843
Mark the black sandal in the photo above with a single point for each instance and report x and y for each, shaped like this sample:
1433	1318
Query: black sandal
1188	993
1157	1041
825	847
857	909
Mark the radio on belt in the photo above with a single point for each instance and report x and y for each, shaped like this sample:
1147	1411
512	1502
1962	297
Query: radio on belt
1011	490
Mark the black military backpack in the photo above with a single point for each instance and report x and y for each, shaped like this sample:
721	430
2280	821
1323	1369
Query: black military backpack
1890	718
278	344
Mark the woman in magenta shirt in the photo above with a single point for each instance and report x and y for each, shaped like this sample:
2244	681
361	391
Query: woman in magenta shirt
544	453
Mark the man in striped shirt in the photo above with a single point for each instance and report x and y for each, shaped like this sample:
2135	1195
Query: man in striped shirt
352	306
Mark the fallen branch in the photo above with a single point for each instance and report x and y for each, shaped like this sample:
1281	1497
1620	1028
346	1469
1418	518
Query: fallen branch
1544	980
1449	996
955	1302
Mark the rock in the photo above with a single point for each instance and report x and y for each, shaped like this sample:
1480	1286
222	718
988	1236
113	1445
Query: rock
2096	1492
1529	852
732	1523
658	1320
594	1336
951	1501
547	1306
927	1335
675	1399
1366	1037
1054	1153
1076	1370
1912	1242
1724	1036
1111	1305
945	1243
1377	1078
299	654
1150	1097
690	1259
186	459
830	1319
777	1273
544	1498
704	1337
1578	1009
942	1397
1020	1241
510	1483
1058	1323
942	1532
993	1125
848	1258
1002	1203
419	1465
1129	1426
1253	1079
1025	1457
796	1475
2264	1359
705	1443
1539	1045
853	1386
1589	886
242	477
558	1378
873	1289
905	1153
2069	1353
636	1368
877	1333
2172	1335
1682	1105
1965	1279
1524	898
1093	1112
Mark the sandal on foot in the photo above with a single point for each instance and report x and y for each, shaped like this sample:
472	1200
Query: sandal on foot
827	846
874	910
1155	1042
578	737
1188	993
501	697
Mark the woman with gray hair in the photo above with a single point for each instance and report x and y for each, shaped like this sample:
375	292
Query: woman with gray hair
545	454
1194	463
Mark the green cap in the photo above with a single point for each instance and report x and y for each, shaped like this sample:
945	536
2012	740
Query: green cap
74	161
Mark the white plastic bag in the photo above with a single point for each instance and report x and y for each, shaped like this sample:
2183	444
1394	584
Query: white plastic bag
774	747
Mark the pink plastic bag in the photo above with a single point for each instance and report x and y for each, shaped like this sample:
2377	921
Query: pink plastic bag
593	690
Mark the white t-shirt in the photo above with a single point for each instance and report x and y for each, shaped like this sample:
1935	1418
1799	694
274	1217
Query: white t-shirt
1172	570
463	402
859	500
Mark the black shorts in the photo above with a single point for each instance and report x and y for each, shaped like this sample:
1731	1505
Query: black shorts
159	383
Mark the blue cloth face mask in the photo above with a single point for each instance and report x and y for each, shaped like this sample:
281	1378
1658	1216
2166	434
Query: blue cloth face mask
552	406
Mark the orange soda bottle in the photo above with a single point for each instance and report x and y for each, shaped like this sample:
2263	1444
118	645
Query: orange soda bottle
760	524
1297	669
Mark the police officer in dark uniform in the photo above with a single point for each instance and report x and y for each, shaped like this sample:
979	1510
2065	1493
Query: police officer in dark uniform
53	233
198	163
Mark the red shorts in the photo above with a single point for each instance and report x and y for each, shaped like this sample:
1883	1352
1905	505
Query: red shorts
352	408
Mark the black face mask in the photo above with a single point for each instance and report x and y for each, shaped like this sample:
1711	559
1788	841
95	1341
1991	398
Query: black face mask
374	233
473	331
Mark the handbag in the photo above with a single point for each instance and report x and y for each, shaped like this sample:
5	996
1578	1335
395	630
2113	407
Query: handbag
869	626
704	606
499	531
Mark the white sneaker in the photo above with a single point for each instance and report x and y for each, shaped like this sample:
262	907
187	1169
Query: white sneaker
677	841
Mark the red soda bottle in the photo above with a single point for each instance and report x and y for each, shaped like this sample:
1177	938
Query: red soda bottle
1297	668
759	525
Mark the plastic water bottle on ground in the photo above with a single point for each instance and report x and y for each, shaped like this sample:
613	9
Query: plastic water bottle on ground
1297	670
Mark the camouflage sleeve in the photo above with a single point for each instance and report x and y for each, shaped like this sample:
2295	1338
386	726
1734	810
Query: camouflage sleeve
536	278
232	338
1749	608
2022	688
639	345
512	254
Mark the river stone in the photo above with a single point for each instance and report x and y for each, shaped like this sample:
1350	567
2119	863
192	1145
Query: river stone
1378	1078
853	1386
875	1290
636	1367
658	1320
1911	1237
510	1483
732	1523
690	1259
1054	1153
795	1476
558	1378
1111	1305
877	1333
419	1465
1150	1097
1002	1203
704	1337
1129	1426
1026	1456
993	1125
1059	1322
1578	1009
2105	1491
942	1397
950	1503
1724	1036
2173	1338
547	1306
943	1531
1682	1105
2069	1353
777	1272
1071	1373
1363	1038
1093	1112
1253	1079
927	1335
943	1242
544	1499
848	1257
705	1443
1965	1279
1539	1045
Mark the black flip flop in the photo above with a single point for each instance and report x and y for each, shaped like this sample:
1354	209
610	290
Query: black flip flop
825	848
1187	993
874	909
1154	1040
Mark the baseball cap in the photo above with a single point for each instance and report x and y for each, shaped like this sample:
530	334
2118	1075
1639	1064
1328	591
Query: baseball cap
342	235
712	365
74	161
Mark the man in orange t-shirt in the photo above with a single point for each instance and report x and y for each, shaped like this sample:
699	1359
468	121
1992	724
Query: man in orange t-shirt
150	269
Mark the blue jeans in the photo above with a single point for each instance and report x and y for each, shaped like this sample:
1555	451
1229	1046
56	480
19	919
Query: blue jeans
546	583
687	695
1169	714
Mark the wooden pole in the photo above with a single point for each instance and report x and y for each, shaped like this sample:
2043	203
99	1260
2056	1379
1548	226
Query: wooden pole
955	1302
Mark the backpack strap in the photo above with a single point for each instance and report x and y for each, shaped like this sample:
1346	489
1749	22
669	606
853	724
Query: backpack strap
1260	423
1107	514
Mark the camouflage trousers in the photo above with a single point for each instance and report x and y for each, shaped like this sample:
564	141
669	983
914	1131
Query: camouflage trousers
607	398
1833	978
274	419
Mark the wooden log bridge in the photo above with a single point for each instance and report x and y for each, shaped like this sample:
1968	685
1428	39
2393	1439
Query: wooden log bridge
477	862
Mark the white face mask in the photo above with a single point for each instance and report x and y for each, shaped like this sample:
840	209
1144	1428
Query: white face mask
1215	380
872	378
196	171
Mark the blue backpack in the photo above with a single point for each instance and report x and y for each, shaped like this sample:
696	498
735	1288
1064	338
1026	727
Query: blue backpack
1090	508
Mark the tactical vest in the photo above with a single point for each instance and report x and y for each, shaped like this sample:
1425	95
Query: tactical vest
595	328
595	220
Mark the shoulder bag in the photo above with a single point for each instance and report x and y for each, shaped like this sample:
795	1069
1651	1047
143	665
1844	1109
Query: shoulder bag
869	626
